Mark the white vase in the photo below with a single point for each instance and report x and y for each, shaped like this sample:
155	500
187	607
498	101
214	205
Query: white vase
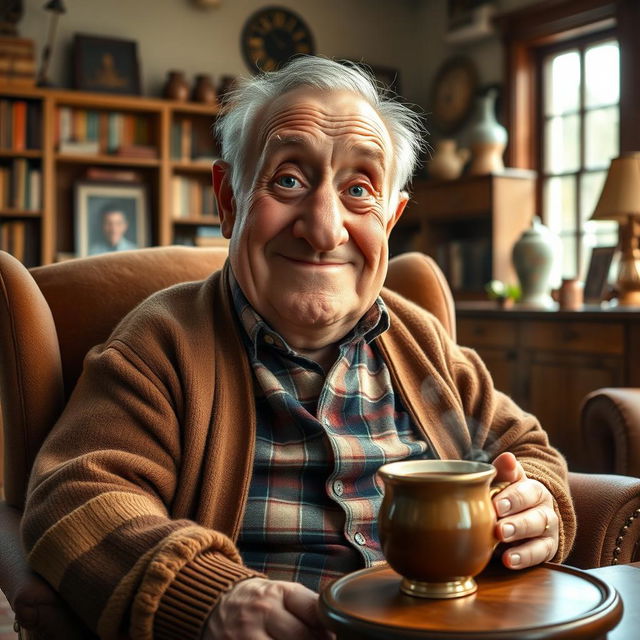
533	259
487	137
447	162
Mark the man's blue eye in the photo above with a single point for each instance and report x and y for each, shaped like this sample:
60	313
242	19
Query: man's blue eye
357	191
288	182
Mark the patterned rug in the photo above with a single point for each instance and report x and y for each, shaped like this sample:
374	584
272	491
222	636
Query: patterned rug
6	620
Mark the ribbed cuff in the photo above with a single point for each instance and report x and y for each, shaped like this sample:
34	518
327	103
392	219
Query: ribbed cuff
189	599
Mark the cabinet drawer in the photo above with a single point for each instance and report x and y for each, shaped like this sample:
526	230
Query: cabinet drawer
580	337
466	199
486	333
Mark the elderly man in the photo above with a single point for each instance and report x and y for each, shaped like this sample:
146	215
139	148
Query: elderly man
231	428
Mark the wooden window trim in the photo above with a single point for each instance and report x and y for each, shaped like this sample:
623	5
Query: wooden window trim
526	30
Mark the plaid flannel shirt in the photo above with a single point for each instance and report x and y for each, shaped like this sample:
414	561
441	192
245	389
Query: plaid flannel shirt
313	498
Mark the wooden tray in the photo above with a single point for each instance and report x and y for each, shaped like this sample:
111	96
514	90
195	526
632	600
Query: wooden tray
547	601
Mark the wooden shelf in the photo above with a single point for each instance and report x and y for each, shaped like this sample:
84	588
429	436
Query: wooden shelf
106	159
197	221
25	153
145	121
19	213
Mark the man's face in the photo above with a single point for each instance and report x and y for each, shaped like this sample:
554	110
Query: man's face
114	226
309	242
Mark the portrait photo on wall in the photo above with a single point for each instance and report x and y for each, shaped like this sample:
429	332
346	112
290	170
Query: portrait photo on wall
110	217
108	65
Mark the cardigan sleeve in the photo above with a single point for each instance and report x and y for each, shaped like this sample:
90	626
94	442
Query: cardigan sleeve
450	393
498	425
98	522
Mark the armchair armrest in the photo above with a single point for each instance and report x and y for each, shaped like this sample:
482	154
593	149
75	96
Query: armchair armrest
39	609
610	421
608	513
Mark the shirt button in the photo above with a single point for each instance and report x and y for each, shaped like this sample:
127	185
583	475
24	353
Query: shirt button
269	339
360	539
338	487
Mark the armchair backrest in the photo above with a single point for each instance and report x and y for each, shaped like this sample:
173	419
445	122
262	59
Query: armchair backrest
52	315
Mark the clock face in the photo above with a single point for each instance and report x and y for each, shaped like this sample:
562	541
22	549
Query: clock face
453	94
272	36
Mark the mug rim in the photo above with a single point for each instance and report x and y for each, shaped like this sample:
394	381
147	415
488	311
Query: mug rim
405	470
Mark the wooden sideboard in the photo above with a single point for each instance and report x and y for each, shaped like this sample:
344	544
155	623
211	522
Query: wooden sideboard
547	361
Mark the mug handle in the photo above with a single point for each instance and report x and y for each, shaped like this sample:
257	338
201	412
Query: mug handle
496	488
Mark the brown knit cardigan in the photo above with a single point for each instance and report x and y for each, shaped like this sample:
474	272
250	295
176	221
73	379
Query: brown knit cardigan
137	496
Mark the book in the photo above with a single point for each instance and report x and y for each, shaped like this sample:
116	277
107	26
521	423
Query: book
137	151
112	175
83	147
19	117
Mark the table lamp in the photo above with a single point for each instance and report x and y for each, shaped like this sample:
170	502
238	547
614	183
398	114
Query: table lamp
620	201
57	8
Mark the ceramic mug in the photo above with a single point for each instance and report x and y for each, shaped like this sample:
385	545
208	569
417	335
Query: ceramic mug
437	524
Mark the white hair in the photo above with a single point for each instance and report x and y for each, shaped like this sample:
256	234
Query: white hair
405	127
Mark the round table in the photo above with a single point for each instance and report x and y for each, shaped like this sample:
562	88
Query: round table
547	601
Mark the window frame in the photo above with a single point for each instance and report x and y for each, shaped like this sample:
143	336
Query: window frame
541	53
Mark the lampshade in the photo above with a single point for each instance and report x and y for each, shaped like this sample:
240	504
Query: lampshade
620	197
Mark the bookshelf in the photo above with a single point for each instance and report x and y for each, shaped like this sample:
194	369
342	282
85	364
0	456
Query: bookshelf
52	140
469	226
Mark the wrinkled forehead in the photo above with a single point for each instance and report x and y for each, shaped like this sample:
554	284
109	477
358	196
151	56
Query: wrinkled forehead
335	115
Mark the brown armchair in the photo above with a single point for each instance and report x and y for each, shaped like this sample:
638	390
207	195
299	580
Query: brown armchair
610	423
49	318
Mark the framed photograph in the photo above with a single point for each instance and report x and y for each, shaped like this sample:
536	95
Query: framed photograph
595	284
110	217
109	65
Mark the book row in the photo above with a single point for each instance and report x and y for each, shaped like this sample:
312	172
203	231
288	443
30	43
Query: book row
191	143
191	198
18	239
20	125
20	186
90	131
466	263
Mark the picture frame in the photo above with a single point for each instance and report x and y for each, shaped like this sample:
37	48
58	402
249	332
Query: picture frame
595	285
110	216
107	65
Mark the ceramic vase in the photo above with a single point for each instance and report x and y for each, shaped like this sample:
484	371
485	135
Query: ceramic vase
204	90
533	259
176	86
447	161
487	137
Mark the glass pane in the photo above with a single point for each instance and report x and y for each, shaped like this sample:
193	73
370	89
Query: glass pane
560	204
601	136
602	74
590	189
568	258
562	150
562	83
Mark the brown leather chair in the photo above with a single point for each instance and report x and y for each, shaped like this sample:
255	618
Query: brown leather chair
610	423
50	317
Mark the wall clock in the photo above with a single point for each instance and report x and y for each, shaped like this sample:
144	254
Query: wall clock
273	35
453	93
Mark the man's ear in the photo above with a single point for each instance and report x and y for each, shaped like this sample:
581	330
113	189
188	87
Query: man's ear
403	199
221	178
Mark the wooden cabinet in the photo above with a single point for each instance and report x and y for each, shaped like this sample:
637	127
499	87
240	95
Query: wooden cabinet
470	226
547	361
68	136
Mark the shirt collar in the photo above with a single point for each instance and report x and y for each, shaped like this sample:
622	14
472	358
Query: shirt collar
374	322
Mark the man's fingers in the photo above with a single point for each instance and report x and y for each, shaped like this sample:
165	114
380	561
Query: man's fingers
530	553
520	497
303	603
534	523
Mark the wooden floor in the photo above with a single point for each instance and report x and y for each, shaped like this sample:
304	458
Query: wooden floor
6	620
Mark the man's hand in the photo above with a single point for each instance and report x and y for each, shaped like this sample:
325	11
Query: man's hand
259	609
525	513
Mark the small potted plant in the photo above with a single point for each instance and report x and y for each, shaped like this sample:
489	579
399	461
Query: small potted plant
503	293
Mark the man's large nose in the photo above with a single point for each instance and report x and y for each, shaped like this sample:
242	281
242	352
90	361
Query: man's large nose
321	220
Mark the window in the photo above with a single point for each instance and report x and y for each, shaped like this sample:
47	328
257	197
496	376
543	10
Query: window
579	127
